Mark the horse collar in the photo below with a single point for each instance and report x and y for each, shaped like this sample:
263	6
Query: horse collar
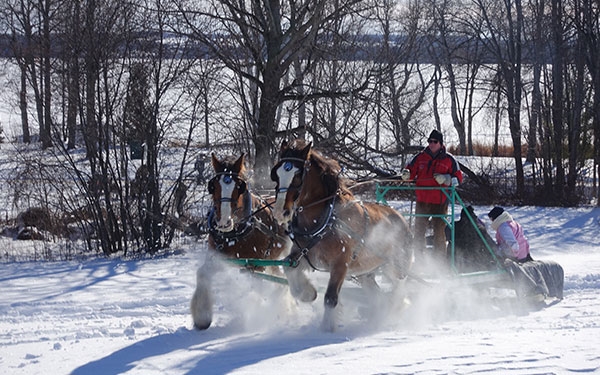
326	222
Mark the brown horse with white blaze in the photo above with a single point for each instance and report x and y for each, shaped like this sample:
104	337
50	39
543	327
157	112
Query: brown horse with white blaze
241	225
332	230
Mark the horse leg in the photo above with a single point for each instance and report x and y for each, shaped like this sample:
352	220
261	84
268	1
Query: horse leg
201	305
396	272
368	283
300	286
336	279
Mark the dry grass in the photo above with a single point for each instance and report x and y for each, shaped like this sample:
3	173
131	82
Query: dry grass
486	149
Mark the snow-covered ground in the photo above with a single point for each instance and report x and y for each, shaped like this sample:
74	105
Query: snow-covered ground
113	316
104	316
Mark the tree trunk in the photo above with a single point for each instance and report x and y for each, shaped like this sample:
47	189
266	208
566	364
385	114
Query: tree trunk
23	104
73	77
90	132
457	118
557	98
577	111
46	126
265	131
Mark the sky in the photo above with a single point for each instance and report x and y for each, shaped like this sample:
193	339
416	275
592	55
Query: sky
114	316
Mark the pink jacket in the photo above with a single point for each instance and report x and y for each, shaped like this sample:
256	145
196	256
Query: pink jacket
511	239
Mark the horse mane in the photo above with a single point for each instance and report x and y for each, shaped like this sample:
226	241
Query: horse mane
330	168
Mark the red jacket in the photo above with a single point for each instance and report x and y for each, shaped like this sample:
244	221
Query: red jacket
422	168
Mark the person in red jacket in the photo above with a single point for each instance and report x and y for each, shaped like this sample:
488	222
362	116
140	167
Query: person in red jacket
432	167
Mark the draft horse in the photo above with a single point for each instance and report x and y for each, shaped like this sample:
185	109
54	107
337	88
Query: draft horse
241	225
332	231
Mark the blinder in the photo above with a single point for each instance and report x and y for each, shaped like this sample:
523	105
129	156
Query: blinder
211	185
288	165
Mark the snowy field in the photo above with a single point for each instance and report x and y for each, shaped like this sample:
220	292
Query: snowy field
112	316
107	316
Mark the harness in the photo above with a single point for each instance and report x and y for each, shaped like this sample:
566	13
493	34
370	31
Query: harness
328	223
243	228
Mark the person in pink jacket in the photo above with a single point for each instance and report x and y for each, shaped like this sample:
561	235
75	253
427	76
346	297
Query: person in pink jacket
512	242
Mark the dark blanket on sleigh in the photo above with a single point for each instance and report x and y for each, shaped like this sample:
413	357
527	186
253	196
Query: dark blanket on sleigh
472	253
537	277
471	246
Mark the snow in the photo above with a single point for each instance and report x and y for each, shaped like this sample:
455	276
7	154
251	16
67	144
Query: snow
113	316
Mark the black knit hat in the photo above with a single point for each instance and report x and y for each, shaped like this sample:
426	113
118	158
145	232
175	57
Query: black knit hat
495	212
437	136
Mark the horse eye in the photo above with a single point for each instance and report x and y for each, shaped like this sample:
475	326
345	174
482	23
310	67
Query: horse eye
227	179
288	166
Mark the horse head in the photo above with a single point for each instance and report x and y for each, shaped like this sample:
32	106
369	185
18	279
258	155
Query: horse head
303	177
288	174
228	189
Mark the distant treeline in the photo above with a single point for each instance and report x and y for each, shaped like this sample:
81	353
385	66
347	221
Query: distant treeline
368	48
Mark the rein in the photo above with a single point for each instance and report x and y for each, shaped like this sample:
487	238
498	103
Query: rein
247	223
332	197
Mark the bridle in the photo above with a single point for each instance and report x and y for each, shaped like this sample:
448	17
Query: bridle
244	226
326	222
228	177
288	164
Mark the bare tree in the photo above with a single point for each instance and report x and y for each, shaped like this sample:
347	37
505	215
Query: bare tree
558	65
499	26
538	41
72	56
458	53
269	36
21	15
588	28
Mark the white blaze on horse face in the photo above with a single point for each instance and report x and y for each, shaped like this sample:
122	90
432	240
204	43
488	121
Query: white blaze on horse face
225	222
285	174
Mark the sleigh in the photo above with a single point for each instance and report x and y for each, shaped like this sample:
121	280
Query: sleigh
534	281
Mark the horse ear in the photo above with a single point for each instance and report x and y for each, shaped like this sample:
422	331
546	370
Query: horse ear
215	162
239	163
284	146
306	151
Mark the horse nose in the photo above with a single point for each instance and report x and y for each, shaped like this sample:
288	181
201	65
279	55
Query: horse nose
225	225
282	216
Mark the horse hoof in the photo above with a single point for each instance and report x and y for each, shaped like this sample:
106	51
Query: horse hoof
201	309
328	324
308	295
202	321
201	326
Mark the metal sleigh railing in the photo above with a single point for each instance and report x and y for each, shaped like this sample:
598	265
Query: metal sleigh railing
454	201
